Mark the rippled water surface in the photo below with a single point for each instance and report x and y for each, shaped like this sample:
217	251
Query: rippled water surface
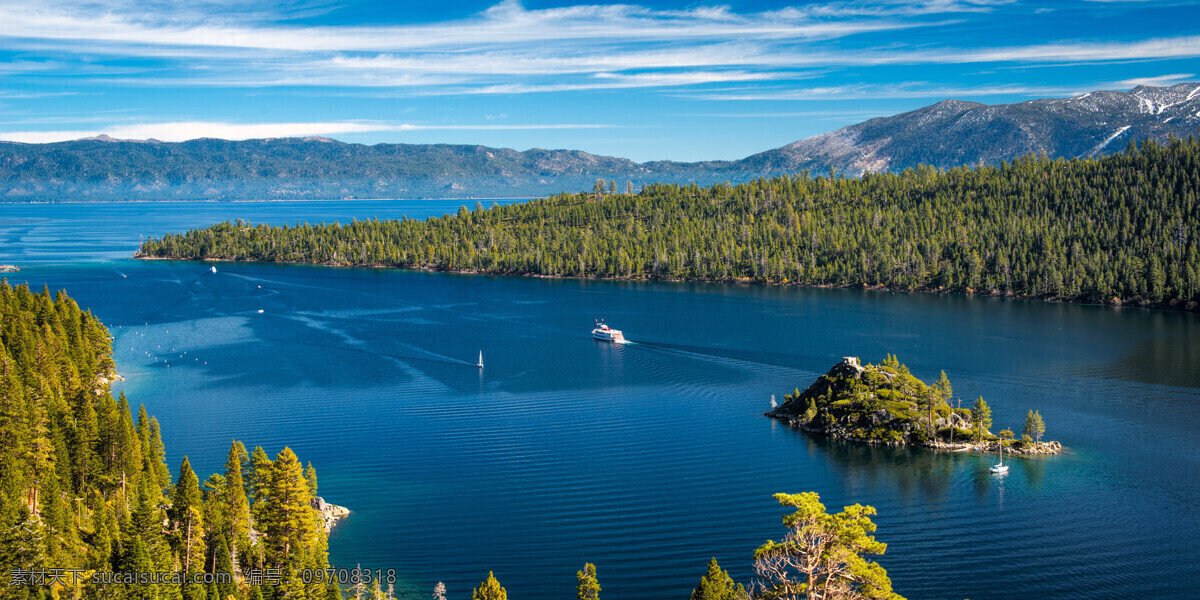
649	458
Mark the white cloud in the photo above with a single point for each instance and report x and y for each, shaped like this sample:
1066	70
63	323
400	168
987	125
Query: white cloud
1160	81
505	23
189	130
508	48
881	91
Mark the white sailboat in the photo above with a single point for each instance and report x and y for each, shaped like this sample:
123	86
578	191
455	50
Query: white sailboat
1000	468
480	363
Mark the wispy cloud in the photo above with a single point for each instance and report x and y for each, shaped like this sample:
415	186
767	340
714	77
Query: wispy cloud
1159	81
884	91
893	8
29	95
511	49
190	130
833	115
506	23
504	49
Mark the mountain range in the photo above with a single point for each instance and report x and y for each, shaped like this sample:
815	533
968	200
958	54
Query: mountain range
946	134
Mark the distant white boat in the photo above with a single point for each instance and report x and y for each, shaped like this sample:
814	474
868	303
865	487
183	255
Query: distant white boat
480	363
608	334
1000	468
213	269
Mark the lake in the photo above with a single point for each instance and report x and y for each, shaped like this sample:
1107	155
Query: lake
648	458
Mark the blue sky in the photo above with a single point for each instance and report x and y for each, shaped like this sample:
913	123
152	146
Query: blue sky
643	80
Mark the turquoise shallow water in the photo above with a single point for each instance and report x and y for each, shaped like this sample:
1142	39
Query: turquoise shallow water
645	459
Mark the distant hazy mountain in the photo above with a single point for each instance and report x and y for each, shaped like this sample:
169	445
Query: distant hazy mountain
102	168
945	134
952	132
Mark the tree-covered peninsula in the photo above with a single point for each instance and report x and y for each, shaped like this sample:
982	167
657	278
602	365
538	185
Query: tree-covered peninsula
88	508
1121	229
886	404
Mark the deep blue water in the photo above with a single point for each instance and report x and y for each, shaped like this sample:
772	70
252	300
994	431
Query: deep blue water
649	458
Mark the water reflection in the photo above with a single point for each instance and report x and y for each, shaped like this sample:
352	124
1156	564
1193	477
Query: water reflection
1172	360
916	473
1034	470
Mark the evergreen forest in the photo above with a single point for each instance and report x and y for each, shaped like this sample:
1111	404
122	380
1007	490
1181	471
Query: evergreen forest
1119	229
87	500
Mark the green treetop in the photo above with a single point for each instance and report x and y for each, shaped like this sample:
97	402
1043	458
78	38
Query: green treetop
489	589
981	414
942	385
187	520
288	519
1034	425
236	505
716	584
588	587
310	477
259	481
819	557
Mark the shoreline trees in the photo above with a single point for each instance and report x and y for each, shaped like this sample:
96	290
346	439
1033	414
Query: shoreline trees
84	486
819	557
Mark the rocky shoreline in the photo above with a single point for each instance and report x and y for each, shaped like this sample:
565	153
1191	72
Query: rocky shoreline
986	447
329	513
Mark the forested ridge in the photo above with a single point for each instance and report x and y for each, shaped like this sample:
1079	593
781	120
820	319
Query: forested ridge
1122	228
87	500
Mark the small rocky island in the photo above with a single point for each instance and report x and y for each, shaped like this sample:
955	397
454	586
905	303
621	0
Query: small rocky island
885	404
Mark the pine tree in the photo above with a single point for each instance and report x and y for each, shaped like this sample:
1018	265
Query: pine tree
716	584
223	564
22	545
139	561
187	521
489	589
216	517
588	587
945	392
1034	425
819	556
129	451
288	517
158	455
84	443
981	414
39	457
259	481
333	592
237	507
195	591
310	476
